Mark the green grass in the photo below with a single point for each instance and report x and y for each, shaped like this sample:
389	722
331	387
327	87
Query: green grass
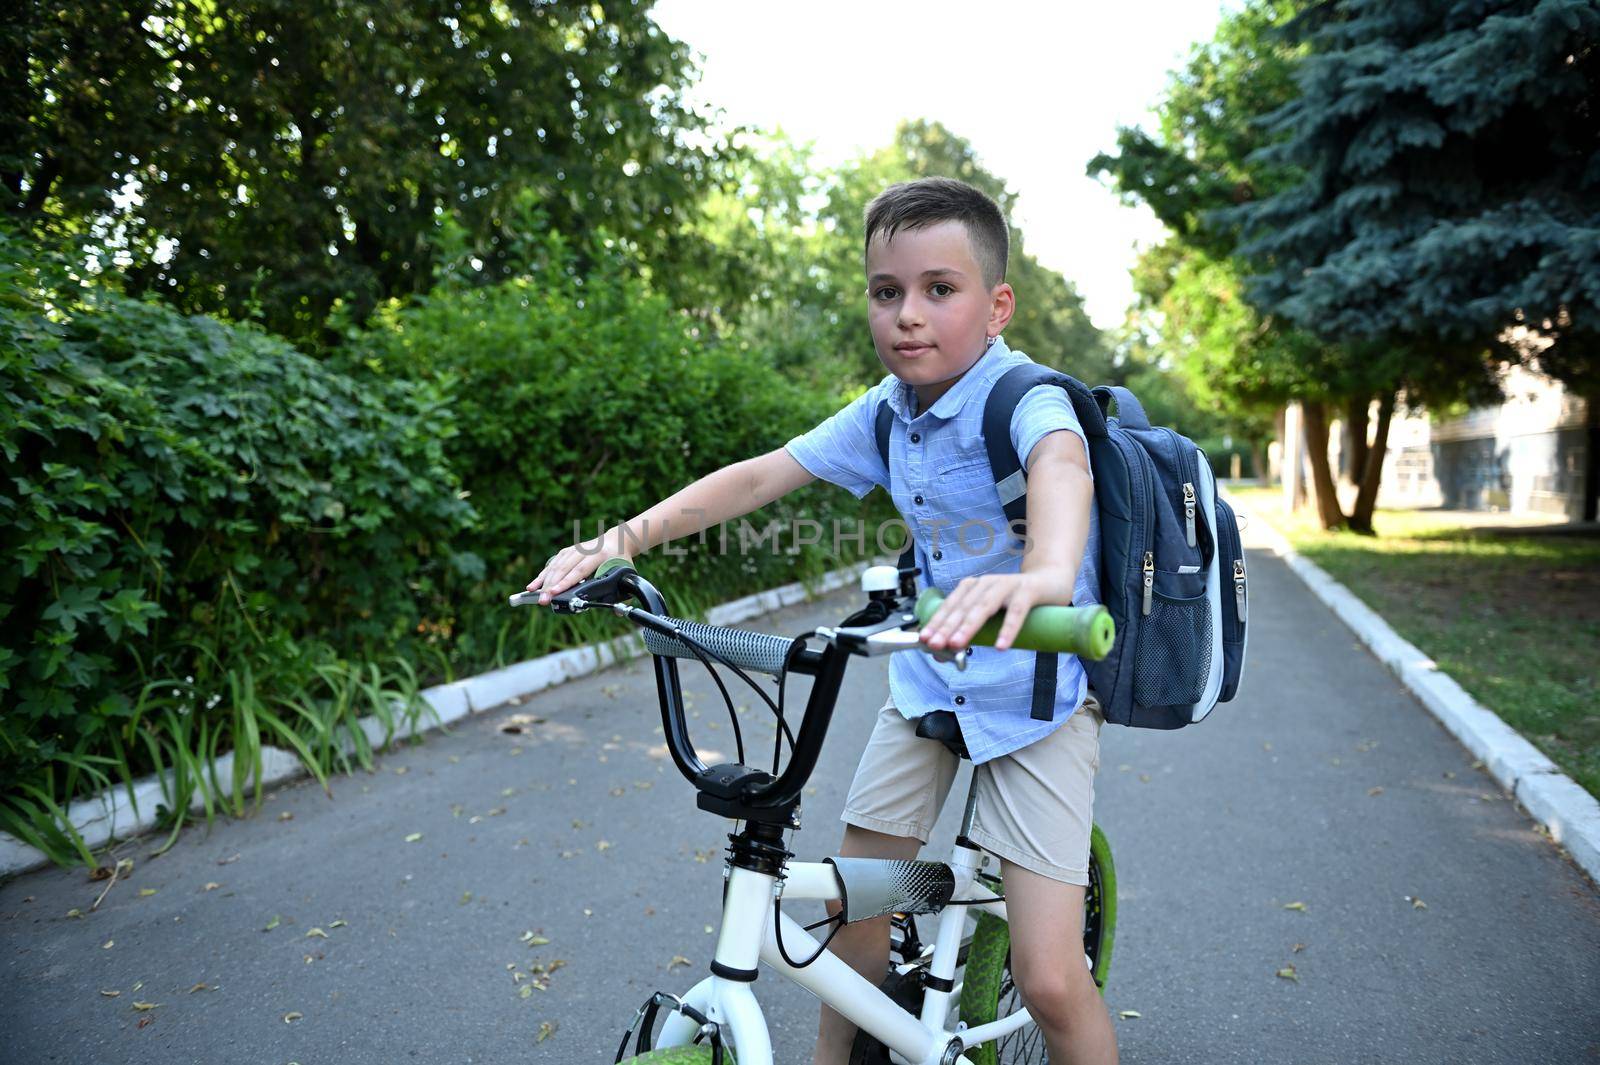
1512	612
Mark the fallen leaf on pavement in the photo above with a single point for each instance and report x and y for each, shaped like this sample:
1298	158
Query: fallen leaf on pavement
1298	947
318	933
546	1030
142	1006
1375	791
1129	1014
414	837
340	923
111	994
276	920
525	991
211	885
287	815
201	987
1416	903
677	960
517	724
292	1016
227	861
108	944
603	845
75	912
145	893
1295	906
1288	973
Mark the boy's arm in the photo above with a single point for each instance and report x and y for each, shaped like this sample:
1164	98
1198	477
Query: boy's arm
727	493
1060	493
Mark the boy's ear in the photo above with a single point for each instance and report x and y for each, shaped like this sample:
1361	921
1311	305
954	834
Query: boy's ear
1003	304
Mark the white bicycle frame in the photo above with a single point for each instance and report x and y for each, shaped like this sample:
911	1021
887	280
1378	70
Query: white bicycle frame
747	936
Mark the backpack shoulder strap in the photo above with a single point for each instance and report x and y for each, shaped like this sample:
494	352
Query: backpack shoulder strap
881	427
1001	406
1005	465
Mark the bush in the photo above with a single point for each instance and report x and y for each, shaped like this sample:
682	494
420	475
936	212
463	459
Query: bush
586	399
182	498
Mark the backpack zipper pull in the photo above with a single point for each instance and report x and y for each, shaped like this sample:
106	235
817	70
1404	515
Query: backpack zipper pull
1238	584
1149	578
1188	511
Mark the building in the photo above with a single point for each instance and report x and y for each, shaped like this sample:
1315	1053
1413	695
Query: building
1527	455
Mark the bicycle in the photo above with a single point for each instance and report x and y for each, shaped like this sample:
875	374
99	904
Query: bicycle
903	1019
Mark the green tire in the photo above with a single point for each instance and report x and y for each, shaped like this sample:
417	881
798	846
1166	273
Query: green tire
690	1055
988	973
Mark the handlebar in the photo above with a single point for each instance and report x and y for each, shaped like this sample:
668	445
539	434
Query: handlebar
889	624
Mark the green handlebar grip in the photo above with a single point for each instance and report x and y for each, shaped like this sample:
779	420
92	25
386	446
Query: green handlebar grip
1085	631
610	564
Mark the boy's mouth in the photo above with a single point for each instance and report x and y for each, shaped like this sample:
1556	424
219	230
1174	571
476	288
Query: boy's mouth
911	348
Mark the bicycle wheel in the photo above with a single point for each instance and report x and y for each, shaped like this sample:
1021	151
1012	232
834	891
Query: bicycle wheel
691	1055
989	992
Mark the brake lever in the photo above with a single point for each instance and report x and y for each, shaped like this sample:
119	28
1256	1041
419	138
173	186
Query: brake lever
565	603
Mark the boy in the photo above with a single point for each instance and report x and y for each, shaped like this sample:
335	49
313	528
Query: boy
937	302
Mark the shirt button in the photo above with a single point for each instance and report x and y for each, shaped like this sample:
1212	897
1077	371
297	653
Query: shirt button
917	500
916	438
937	555
961	700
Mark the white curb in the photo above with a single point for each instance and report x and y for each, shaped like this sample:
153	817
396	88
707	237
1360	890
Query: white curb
101	817
1552	798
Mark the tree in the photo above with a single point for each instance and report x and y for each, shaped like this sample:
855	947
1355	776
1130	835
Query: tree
1449	193
271	158
1201	160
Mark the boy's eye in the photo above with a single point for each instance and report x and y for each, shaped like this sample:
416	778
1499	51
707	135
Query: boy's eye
887	292
941	289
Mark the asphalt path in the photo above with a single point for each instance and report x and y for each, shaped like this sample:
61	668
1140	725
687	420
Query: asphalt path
494	896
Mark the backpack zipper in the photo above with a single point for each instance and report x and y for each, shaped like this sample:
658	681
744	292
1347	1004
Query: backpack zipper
1149	579
1238	587
1188	510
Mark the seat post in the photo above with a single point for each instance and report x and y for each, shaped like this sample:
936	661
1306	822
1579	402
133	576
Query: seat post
971	807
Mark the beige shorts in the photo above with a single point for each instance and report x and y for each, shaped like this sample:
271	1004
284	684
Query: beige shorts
1035	805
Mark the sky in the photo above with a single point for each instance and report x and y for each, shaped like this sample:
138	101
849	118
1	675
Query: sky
1038	89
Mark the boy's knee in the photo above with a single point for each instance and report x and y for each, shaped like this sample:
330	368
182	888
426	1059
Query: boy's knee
1053	988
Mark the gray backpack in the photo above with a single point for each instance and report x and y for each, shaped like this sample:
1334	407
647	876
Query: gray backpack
1171	565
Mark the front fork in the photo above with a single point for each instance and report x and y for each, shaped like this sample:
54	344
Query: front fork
747	937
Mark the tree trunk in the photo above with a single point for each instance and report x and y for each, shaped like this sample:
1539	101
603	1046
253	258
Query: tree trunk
1329	512
1356	426
1258	460
1591	471
1372	474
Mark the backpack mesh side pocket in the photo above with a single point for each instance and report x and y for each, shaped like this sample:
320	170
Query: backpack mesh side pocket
1173	659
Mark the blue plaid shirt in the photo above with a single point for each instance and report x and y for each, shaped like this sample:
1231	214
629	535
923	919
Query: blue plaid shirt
943	489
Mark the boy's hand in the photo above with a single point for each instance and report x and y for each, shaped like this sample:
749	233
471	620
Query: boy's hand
976	599
576	563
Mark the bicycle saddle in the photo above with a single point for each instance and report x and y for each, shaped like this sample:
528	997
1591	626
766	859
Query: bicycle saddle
942	725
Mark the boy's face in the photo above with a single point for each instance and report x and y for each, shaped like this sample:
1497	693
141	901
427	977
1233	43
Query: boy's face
930	312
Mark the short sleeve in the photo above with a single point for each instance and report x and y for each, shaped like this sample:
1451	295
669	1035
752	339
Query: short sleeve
1042	411
844	449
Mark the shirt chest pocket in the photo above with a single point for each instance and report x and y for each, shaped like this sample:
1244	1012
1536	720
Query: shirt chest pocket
964	470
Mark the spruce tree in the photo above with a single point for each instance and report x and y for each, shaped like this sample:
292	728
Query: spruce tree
1449	200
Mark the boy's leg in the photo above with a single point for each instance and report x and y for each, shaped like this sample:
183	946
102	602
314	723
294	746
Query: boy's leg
899	787
1035	811
863	945
1048	965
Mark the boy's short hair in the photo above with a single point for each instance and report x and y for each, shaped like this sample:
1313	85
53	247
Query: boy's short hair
929	201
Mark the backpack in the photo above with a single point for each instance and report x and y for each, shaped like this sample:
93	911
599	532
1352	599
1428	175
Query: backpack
1171	564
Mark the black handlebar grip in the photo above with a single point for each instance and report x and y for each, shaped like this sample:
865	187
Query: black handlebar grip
759	651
